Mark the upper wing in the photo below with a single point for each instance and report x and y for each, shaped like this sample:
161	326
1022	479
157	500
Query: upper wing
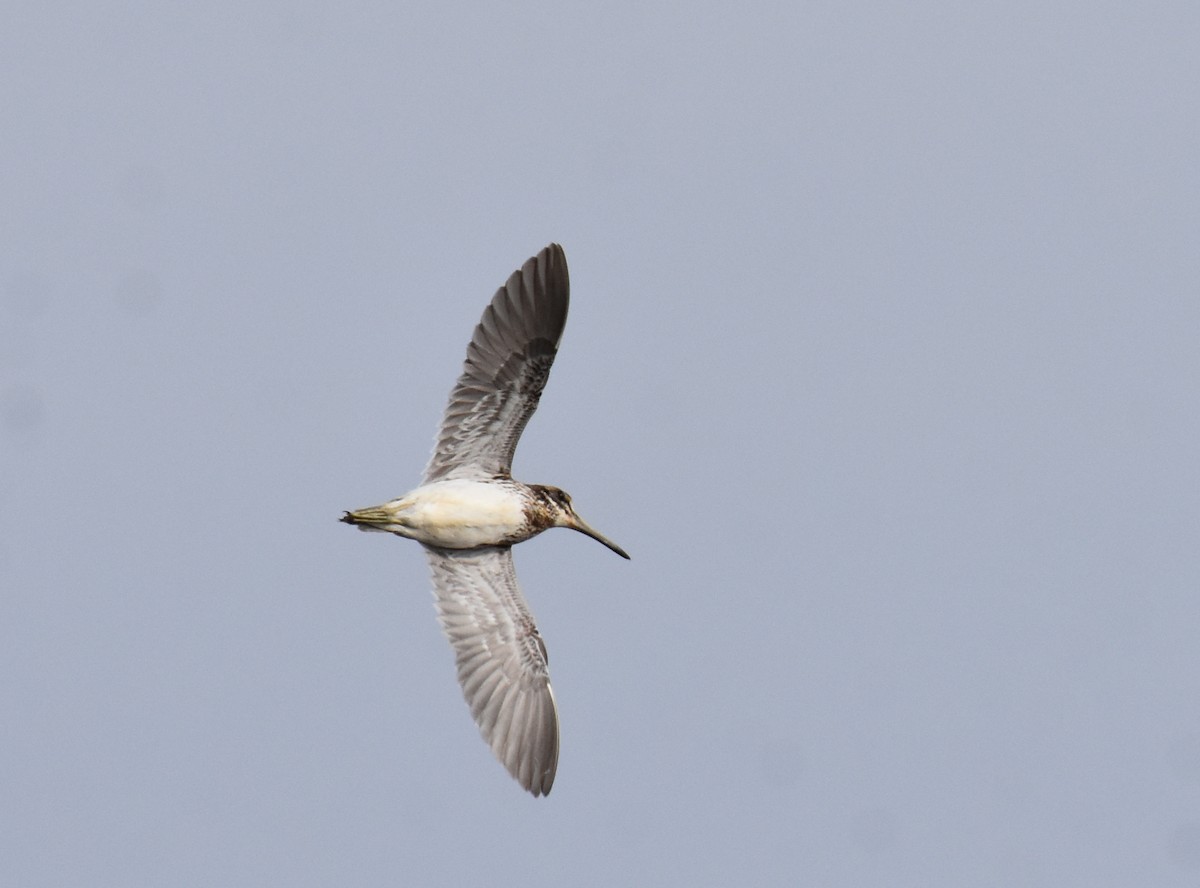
508	362
501	659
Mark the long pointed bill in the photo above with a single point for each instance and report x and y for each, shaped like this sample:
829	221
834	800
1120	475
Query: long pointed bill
585	528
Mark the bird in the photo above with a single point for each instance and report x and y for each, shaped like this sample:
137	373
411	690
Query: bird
468	512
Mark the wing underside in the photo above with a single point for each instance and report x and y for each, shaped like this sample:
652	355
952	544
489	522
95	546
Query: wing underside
501	659
508	363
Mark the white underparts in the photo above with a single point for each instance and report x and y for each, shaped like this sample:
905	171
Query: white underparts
457	514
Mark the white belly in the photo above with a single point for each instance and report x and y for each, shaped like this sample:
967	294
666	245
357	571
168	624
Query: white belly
458	514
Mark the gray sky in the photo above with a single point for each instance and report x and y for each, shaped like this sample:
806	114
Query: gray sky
882	363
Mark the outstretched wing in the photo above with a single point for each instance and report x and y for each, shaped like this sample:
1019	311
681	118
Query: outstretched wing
501	659
508	362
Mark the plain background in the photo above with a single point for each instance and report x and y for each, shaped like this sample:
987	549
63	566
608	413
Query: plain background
882	363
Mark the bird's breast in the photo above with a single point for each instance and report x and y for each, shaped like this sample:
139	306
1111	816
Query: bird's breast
462	514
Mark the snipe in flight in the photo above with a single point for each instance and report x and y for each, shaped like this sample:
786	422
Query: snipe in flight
468	512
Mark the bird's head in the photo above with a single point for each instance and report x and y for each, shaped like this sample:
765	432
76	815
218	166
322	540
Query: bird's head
558	503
